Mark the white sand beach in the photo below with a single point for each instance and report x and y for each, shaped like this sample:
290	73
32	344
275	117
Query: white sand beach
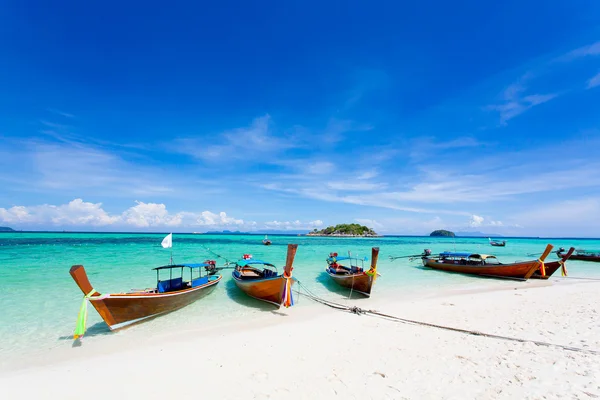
319	352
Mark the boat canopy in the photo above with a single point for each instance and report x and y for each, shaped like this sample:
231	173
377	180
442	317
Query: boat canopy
448	254
243	263
183	266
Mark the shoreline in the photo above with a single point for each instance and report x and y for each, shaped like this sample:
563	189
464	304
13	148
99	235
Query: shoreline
106	339
306	353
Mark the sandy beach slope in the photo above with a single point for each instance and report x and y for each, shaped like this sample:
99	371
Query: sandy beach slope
317	352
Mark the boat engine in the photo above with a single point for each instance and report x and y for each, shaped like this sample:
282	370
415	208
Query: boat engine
427	252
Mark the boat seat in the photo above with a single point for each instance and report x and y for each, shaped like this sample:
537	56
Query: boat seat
170	285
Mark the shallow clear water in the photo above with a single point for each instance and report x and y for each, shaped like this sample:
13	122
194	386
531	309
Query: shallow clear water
39	301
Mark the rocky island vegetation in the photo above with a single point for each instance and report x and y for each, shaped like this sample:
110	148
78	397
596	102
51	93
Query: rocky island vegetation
442	233
6	229
344	230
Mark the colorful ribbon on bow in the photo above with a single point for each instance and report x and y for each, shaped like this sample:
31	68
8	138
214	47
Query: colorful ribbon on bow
563	268
542	267
288	298
82	317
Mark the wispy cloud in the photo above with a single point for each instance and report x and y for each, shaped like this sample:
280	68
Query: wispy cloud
595	81
516	101
584	51
61	113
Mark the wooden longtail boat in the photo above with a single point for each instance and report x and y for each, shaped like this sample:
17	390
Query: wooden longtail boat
120	310
485	265
552	267
266	241
497	243
260	279
352	276
581	255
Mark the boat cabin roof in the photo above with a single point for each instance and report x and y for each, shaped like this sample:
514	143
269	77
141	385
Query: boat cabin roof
243	263
448	254
182	266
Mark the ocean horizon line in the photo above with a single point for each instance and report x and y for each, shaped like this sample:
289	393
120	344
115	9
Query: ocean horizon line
295	233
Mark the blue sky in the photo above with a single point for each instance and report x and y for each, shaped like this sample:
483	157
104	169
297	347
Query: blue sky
407	117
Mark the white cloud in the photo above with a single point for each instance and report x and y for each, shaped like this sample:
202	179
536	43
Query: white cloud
476	220
355	186
515	102
595	81
320	168
76	212
575	217
588	50
143	215
248	143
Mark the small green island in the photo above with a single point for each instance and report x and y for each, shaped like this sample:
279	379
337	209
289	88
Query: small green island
6	229
352	230
442	233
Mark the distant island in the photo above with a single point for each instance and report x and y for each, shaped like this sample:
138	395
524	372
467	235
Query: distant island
442	233
344	230
6	229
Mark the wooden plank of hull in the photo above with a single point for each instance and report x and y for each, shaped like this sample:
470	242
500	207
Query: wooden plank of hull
269	289
127	309
516	270
357	282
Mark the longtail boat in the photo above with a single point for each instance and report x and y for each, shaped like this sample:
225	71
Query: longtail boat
266	241
120	310
497	243
581	255
260	279
353	276
485	265
552	267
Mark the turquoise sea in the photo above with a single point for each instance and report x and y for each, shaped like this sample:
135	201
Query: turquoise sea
39	301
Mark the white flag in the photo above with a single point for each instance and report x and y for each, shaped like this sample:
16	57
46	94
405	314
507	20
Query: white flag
167	241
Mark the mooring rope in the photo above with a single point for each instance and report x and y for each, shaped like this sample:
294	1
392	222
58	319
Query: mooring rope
360	311
227	261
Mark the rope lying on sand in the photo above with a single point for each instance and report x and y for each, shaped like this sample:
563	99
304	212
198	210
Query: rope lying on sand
360	311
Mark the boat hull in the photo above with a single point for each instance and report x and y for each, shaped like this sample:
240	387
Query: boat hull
517	270
582	257
120	310
360	283
269	290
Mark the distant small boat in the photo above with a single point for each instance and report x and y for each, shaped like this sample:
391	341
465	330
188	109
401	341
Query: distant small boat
260	279
485	265
351	275
497	243
582	255
120	310
266	241
551	267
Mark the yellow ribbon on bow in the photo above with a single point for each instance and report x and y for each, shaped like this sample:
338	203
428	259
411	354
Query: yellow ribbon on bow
82	316
563	268
542	267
